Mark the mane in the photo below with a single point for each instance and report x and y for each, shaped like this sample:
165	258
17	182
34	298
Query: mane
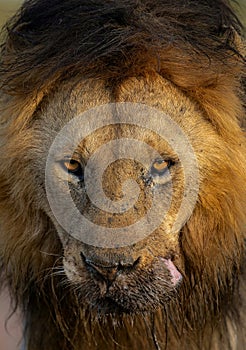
198	46
109	38
195	44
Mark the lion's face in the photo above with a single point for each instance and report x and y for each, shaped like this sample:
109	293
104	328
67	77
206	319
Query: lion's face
130	270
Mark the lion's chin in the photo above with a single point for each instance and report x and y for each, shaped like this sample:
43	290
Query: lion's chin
108	306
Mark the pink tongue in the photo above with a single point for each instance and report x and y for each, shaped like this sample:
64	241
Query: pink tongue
176	275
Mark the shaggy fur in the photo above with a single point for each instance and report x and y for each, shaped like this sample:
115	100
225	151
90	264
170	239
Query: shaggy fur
185	58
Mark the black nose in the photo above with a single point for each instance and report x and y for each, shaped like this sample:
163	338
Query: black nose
109	272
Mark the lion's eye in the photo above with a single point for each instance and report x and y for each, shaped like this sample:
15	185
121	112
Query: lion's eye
73	167
160	166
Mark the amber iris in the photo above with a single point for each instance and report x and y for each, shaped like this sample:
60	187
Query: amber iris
160	166
73	167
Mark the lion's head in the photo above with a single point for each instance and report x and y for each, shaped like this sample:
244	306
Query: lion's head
122	168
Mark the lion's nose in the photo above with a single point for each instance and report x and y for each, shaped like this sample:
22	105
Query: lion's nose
109	272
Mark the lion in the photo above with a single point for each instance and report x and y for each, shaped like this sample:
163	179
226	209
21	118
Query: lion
123	174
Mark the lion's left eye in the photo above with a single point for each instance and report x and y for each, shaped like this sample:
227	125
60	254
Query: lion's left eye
73	167
160	166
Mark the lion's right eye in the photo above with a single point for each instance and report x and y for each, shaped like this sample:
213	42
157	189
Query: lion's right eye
73	167
161	166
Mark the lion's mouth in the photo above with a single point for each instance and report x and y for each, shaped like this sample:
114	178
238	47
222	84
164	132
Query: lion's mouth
132	289
141	292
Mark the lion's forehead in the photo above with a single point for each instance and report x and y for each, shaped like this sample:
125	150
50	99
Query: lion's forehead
75	98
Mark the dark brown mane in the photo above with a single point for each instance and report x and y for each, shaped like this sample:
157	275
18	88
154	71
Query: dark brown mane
116	39
195	44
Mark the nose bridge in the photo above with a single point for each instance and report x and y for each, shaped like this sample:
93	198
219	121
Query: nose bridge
116	174
125	199
114	170
117	161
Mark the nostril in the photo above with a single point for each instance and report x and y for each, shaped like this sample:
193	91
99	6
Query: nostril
129	266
